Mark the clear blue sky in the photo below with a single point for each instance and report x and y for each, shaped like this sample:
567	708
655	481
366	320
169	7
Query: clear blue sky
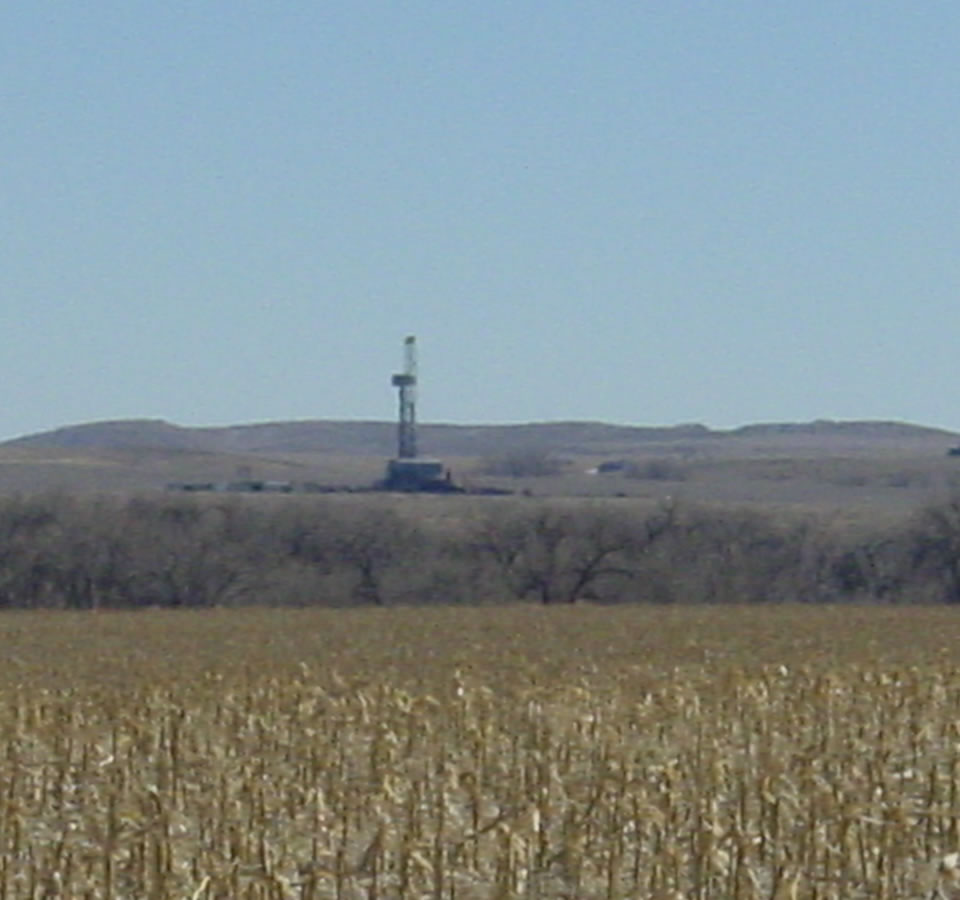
643	212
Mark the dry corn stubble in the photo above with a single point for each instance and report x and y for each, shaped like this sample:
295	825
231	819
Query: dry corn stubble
583	753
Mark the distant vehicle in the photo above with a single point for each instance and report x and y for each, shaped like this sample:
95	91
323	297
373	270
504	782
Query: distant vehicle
953	451
612	465
245	486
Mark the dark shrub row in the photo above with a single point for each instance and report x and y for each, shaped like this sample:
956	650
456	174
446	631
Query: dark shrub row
84	553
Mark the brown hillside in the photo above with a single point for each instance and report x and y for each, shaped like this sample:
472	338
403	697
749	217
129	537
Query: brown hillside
573	438
851	467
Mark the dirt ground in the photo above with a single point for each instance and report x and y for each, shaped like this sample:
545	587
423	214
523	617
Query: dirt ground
846	467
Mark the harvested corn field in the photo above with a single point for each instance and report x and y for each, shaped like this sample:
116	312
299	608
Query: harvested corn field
509	752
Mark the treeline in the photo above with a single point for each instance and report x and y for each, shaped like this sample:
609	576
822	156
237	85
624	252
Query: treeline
87	553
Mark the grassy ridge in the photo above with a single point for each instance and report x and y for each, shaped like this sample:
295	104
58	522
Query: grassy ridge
475	753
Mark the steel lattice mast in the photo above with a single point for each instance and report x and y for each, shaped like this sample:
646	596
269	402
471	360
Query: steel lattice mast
406	383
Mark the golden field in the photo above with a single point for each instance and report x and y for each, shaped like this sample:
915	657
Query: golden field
508	752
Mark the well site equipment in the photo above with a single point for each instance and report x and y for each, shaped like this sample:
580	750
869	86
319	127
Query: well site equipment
408	471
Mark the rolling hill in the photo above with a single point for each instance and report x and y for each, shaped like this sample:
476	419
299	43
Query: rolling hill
572	438
843	465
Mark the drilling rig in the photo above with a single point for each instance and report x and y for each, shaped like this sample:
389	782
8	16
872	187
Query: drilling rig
406	384
408	471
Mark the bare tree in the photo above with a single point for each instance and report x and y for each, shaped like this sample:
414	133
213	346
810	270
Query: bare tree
556	555
373	546
357	552
30	528
191	554
934	551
